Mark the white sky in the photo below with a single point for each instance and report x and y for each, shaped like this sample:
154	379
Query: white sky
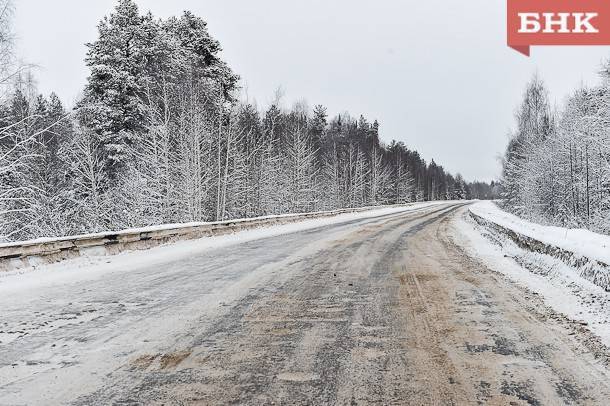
437	74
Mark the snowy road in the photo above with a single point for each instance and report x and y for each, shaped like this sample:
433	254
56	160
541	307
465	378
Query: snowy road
384	309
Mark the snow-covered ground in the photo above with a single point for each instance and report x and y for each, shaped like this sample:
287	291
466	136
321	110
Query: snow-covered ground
559	284
581	242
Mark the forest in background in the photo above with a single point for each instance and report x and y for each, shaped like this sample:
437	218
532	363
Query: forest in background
556	169
160	135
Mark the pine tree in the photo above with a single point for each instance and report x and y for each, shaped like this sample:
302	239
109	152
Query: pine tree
201	52
118	61
459	191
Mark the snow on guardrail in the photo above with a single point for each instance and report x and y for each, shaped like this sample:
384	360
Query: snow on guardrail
22	254
585	251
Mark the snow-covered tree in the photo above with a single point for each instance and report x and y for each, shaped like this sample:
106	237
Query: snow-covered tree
118	61
556	171
160	136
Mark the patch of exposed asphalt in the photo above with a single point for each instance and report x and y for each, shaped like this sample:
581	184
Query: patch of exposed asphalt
520	390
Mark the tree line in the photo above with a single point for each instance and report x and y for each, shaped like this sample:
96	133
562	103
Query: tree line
556	169
161	136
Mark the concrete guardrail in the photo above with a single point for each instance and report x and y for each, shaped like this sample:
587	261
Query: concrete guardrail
48	250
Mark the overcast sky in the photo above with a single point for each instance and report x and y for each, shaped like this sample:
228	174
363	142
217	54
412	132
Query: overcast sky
436	73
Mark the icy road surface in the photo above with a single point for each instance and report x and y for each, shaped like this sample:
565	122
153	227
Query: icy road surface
380	309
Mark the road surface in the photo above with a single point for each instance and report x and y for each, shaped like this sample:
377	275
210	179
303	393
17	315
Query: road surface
384	310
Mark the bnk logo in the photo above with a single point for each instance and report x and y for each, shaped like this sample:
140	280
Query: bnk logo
557	22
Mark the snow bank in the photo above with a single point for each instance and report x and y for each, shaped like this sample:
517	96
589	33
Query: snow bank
587	252
585	304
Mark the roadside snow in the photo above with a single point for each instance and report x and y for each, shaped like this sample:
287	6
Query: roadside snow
559	285
91	267
581	242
